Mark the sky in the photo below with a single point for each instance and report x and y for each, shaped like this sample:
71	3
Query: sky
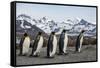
56	12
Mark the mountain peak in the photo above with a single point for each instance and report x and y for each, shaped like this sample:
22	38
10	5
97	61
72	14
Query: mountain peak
24	16
48	25
73	20
44	18
84	22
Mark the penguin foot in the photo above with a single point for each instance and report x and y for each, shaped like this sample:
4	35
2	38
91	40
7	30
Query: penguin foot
19	54
65	53
60	54
30	55
51	57
36	55
24	55
77	52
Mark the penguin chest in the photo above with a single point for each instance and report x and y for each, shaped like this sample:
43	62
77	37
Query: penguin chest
65	43
40	41
40	44
26	44
54	43
65	39
54	46
81	40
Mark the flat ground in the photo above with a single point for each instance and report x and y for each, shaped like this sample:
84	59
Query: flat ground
88	53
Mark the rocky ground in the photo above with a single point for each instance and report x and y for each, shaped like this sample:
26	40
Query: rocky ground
88	53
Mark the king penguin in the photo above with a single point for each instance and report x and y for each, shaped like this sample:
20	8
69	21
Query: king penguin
79	41
63	41
52	45
37	45
24	44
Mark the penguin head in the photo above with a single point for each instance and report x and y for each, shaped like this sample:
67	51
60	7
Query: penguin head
64	31
53	33
25	34
83	31
40	33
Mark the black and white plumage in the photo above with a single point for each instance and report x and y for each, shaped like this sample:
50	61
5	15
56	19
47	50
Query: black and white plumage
24	44
37	45
52	45
79	42
63	41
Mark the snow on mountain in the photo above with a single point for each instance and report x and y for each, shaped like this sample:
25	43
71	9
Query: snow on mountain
25	17
93	30
83	25
46	25
74	25
73	21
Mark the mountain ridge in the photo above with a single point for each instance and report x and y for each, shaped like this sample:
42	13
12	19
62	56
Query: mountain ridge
47	25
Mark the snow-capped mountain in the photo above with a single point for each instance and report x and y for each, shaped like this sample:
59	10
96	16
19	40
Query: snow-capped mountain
83	25
26	24
73	21
74	25
94	30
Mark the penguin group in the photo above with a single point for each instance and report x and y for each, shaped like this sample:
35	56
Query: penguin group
52	44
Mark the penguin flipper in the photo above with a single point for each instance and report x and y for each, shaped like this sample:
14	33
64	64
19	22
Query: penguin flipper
21	45
50	46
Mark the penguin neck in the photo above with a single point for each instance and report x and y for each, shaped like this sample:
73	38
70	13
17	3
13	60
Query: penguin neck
81	33
26	36
52	34
64	33
39	35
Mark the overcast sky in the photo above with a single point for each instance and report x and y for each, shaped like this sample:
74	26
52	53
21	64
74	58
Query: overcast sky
56	12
